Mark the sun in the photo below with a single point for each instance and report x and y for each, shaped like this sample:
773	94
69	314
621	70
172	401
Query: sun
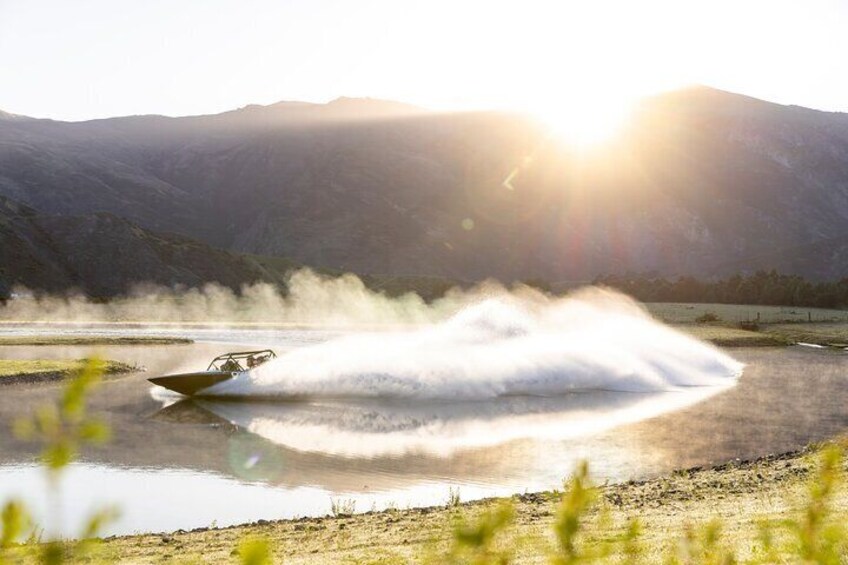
586	119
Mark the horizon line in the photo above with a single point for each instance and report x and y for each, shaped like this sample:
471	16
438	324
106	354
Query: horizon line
411	106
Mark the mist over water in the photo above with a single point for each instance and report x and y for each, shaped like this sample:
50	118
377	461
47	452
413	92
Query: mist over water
506	345
311	299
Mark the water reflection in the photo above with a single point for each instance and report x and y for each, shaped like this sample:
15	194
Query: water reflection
371	429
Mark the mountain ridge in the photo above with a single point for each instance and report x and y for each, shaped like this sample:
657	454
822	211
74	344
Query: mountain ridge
405	107
701	182
378	105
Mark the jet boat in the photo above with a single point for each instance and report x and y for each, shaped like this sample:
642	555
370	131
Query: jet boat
222	368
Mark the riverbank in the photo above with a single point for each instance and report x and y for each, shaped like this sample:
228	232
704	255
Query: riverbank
722	332
833	335
66	340
744	495
723	336
764	326
16	371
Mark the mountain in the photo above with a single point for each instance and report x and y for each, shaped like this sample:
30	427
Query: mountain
701	182
8	116
104	255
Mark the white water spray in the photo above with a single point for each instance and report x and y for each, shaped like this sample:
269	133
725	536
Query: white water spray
503	346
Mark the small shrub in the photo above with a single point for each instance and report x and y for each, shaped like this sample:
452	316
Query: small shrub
254	551
631	545
342	507
474	542
821	538
453	497
14	522
703	545
578	498
707	317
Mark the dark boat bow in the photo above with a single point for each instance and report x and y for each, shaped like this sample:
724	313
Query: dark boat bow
192	383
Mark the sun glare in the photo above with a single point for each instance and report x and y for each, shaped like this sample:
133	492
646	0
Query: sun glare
586	121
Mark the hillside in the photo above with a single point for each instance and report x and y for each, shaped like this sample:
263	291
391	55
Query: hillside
703	183
103	255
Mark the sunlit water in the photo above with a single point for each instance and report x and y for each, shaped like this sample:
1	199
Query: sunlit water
185	464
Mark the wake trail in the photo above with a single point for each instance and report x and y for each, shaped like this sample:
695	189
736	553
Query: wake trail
505	345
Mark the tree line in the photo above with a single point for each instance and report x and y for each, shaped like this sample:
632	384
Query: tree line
763	287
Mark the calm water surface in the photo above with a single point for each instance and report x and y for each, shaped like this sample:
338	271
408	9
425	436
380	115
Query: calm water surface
180	464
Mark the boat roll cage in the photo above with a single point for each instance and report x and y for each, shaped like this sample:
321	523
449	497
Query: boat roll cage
232	361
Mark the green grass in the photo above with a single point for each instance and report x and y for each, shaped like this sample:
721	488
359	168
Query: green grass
58	340
22	368
823	334
732	337
778	325
681	313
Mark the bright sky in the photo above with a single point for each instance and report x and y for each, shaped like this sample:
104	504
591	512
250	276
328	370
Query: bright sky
95	58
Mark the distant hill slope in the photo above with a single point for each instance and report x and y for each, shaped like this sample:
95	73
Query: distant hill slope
703	183
104	255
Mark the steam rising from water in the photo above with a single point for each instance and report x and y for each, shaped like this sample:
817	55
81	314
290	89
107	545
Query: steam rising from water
503	346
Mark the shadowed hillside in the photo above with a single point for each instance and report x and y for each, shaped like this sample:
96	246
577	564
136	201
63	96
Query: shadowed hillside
102	255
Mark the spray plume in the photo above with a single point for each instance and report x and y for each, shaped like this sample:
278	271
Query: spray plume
508	345
481	343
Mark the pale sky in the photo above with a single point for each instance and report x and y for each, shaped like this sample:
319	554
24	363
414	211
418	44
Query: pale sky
85	59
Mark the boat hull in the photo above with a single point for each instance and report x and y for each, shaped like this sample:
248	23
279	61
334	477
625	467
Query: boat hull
190	384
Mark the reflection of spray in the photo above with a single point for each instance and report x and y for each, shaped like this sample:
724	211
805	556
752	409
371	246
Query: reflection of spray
368	429
594	340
